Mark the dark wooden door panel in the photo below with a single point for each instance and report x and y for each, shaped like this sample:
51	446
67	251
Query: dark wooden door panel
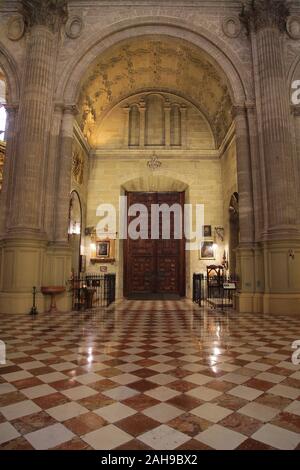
155	266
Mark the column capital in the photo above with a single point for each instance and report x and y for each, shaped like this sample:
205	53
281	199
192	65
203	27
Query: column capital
295	109
250	106
142	105
238	110
49	13
260	14
11	109
70	109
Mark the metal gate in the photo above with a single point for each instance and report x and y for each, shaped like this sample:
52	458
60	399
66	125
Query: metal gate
93	290
214	291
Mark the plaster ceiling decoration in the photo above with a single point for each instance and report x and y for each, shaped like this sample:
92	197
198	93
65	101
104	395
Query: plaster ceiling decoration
154	63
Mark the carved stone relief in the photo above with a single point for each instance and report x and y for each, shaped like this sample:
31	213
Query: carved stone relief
265	13
231	26
15	28
74	27
78	165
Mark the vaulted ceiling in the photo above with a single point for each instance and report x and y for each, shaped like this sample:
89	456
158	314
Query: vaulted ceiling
155	63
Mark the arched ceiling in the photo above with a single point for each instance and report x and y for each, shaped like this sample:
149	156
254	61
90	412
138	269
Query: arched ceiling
155	63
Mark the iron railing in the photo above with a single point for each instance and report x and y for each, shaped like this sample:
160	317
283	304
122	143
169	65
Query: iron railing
212	290
93	290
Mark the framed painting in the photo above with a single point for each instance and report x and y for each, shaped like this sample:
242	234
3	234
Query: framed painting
103	249
206	230
207	250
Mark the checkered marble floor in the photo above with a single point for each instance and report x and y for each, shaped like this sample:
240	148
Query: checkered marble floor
149	375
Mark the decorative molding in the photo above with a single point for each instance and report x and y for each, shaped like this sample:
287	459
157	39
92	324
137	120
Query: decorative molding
260	14
293	27
232	26
238	110
50	13
154	163
15	28
78	166
74	27
81	138
164	154
71	109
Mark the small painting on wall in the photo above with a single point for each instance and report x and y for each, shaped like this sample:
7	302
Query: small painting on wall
102	249
207	230
207	250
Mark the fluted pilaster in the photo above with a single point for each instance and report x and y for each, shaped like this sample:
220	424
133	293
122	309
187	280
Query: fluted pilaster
268	19
244	175
64	174
43	20
8	184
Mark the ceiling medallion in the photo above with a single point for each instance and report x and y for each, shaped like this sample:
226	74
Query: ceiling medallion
154	163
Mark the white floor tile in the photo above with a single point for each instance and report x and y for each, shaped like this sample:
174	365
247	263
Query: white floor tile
49	437
277	437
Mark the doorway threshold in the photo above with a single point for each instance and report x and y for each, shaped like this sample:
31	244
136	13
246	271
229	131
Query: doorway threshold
147	296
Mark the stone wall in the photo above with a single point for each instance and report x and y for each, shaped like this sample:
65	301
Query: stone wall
201	178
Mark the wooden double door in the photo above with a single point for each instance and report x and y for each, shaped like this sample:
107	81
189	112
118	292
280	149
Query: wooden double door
155	268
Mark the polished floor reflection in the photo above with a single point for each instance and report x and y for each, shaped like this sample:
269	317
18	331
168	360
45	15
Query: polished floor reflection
149	375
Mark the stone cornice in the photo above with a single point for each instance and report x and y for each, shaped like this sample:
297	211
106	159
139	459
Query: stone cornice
49	13
260	14
238	110
163	154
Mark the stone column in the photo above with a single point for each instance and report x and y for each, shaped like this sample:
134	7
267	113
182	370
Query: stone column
7	185
167	109
24	248
245	253
142	108
43	20
183	113
53	171
126	111
268	19
64	175
244	175
281	237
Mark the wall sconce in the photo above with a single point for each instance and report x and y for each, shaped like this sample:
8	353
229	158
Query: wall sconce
75	228
291	253
219	233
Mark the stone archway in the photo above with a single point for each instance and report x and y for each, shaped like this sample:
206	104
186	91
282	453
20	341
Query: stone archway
75	229
241	88
217	54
